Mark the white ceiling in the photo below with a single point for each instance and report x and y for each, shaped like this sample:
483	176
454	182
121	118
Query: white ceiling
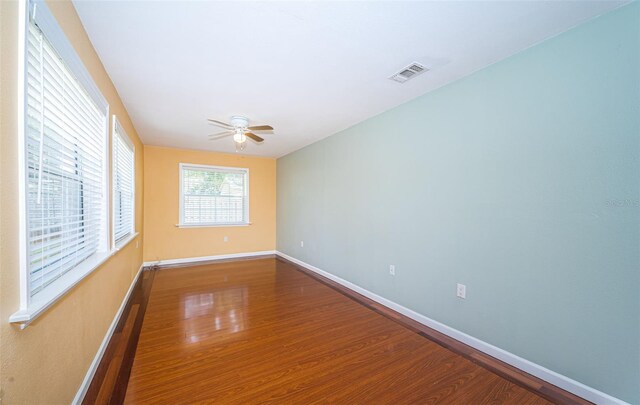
308	68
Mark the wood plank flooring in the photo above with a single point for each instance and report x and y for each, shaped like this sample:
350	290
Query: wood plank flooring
109	382
260	331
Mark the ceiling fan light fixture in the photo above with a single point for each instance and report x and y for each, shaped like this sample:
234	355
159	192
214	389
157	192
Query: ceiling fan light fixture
239	137
240	146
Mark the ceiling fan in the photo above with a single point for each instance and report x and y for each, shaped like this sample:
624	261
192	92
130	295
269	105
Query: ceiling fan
240	129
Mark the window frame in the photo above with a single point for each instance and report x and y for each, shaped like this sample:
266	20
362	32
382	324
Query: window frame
119	244
230	169
33	306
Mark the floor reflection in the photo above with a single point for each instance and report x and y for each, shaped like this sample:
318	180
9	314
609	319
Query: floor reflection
214	314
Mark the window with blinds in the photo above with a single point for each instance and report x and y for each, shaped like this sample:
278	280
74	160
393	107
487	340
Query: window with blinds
213	195
65	145
123	184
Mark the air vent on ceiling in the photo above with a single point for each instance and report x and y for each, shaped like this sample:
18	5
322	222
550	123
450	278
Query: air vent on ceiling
408	72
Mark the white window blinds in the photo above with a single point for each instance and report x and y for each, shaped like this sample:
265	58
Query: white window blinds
65	137
214	195
123	184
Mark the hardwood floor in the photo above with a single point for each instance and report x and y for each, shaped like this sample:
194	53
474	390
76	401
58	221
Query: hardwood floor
261	331
110	380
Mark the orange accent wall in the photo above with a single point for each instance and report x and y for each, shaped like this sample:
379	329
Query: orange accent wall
163	240
46	362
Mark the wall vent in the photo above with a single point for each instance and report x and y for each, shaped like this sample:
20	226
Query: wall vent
408	72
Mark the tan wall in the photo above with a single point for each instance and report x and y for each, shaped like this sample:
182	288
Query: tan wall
163	240
46	362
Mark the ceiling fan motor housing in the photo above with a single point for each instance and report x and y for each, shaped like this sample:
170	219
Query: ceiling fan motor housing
239	121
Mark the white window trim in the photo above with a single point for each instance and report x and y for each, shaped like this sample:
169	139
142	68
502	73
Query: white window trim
32	307
124	242
117	245
247	221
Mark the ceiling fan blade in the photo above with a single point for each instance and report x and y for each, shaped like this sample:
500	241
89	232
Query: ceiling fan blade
254	137
261	128
220	123
220	135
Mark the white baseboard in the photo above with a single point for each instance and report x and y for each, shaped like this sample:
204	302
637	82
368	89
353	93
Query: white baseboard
82	391
194	260
566	383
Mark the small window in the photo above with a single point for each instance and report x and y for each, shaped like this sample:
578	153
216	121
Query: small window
123	184
213	196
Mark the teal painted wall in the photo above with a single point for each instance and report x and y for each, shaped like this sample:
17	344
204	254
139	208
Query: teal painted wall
521	181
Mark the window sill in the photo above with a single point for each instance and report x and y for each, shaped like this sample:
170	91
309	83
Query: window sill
211	225
125	241
45	299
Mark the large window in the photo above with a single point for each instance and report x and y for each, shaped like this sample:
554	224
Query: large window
212	196
63	152
123	184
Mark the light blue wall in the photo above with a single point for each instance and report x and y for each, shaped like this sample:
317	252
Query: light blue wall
521	181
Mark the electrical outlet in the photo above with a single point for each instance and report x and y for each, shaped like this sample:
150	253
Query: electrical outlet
461	291
392	270
226	239
301	243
